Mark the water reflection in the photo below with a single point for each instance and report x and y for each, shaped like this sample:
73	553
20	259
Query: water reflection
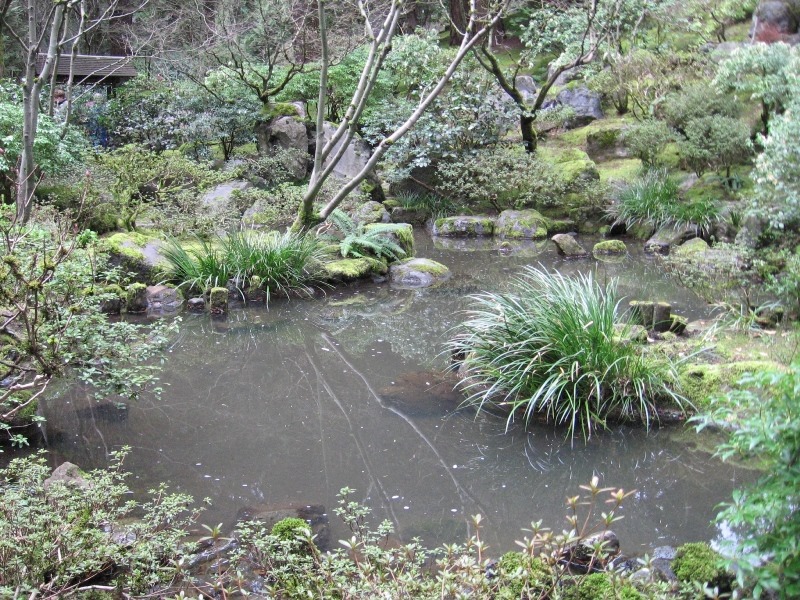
292	403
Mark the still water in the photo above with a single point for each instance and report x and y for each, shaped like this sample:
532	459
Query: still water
289	404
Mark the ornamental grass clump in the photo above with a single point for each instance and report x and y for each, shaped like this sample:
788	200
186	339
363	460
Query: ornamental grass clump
653	200
283	263
556	346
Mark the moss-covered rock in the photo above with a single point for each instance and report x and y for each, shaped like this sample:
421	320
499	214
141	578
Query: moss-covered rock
112	299
521	225
136	298
464	226
274	110
701	382
691	248
415	216
133	252
372	212
560	226
667	238
609	247
218	300
350	269
391	203
697	562
573	166
418	273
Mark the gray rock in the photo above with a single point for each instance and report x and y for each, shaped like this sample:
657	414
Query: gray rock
667	238
289	133
661	569
67	474
163	299
418	273
353	160
526	86
640	577
219	200
415	216
372	212
196	304
775	16
667	552
569	246
751	231
584	102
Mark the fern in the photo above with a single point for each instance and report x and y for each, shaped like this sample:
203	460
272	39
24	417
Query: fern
358	241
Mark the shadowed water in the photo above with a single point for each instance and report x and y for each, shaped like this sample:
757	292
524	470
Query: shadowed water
292	403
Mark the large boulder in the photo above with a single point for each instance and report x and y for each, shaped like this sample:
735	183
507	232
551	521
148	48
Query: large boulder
521	225
67	474
418	273
163	299
353	160
584	102
775	17
464	226
605	143
289	133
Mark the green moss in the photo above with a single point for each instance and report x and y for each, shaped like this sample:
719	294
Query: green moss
702	382
691	248
279	109
670	156
289	528
135	297
348	269
464	226
571	164
218	299
607	247
521	224
125	251
554	226
620	169
599	586
391	203
697	562
426	265
579	136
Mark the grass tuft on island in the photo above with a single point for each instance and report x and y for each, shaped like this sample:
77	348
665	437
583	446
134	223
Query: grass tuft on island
556	347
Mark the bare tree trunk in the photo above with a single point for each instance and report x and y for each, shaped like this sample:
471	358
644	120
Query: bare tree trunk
333	150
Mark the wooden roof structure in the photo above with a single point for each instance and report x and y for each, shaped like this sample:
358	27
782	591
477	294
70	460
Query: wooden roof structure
92	69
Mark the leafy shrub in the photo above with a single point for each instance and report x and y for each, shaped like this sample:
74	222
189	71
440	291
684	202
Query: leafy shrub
360	240
715	142
499	178
57	326
696	102
54	538
554	346
786	284
647	139
283	263
653	200
766	514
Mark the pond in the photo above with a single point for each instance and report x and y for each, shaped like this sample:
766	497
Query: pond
289	404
